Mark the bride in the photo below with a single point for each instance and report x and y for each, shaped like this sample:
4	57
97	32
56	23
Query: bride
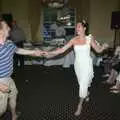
83	65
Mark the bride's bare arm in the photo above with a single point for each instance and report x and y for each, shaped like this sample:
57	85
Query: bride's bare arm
97	47
59	50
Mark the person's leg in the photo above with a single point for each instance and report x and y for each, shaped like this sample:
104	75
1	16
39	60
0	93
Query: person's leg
115	88
13	99
83	93
21	57
15	62
79	107
112	77
3	102
107	68
117	85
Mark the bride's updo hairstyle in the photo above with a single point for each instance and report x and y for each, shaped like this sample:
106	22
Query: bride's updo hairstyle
85	25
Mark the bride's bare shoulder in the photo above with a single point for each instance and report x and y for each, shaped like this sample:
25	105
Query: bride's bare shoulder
75	39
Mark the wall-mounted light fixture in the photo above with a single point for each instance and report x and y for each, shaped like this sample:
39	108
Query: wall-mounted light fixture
54	3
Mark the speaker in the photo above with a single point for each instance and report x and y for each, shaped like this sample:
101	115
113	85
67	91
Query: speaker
115	20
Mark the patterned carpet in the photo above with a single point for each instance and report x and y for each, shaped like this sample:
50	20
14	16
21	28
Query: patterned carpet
51	93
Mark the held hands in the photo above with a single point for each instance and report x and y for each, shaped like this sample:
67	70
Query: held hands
48	54
45	53
39	53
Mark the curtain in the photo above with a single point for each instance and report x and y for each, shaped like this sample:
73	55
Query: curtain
34	15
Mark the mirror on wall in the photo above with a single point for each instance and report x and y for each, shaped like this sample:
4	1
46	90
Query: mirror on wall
54	19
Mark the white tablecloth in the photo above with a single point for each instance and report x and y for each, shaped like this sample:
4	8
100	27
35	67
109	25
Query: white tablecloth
65	61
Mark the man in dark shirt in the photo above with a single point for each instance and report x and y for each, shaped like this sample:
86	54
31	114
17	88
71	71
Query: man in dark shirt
17	35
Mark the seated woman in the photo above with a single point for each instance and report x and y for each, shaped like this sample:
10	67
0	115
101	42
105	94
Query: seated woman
116	87
113	58
113	74
111	66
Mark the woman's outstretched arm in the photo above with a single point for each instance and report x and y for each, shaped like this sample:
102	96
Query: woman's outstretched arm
59	50
22	51
98	48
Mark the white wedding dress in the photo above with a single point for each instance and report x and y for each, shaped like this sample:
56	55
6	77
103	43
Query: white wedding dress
83	67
